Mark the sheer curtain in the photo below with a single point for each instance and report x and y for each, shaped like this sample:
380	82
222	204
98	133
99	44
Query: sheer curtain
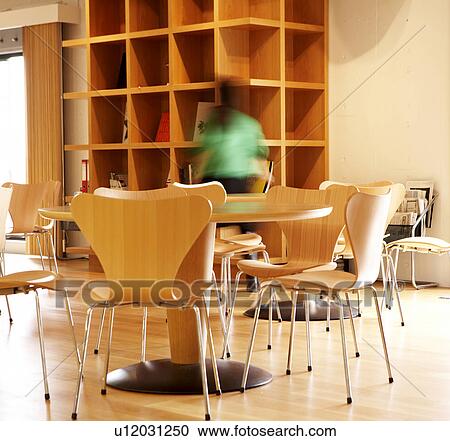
12	120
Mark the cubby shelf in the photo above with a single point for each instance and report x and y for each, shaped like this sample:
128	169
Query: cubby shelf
148	57
75	147
266	9
148	14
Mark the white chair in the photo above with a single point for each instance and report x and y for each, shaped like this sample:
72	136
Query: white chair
343	249
25	282
365	220
418	244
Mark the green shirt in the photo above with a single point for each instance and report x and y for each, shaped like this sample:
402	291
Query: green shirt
233	150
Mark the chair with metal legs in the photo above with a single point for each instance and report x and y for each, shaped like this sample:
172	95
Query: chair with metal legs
25	282
310	244
23	209
232	247
158	232
145	195
343	249
365	219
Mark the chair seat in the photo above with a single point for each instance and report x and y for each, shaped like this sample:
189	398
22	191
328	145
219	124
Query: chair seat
422	245
248	239
28	279
224	248
329	280
265	270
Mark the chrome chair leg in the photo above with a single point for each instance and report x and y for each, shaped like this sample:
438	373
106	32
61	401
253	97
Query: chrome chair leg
38	239
328	315
219	304
52	246
213	354
226	344
308	332
229	283
202	353
252	339
72	326
384	274
9	309
352	325
108	349
269	331
223	284
100	331
292	334
383	338
395	287
144	334
41	345
344	352
87	330
359	303
277	304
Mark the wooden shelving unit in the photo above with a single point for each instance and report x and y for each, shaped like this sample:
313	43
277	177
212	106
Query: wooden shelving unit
145	57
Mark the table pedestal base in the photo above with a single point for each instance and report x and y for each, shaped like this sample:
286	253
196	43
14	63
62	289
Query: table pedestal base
165	377
317	311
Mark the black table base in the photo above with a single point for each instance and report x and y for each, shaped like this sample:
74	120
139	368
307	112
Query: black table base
165	377
317	311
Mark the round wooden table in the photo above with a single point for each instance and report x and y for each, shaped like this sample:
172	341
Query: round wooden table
181	373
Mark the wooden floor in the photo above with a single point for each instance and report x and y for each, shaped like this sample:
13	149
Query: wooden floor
420	355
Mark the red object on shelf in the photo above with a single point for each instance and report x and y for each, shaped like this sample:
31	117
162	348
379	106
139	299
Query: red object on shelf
163	133
84	176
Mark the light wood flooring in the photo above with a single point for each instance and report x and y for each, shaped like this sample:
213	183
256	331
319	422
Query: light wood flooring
420	355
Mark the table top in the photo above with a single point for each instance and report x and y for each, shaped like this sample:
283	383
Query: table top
236	210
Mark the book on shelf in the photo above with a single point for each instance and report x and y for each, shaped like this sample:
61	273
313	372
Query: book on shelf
187	174
84	176
125	127
203	111
264	180
118	181
163	133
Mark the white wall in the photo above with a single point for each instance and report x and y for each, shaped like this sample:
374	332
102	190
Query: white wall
393	122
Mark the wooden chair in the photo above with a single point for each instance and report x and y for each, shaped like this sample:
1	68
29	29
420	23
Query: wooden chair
53	197
25	201
310	244
227	249
146	240
365	217
345	251
145	195
25	282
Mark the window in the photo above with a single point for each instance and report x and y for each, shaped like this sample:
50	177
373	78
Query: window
13	167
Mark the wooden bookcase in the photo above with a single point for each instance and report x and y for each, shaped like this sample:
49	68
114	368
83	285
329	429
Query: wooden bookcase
145	57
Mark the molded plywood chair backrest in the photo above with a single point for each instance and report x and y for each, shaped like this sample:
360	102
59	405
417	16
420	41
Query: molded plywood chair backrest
375	188
365	217
137	239
145	195
25	201
325	184
312	240
213	191
5	199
